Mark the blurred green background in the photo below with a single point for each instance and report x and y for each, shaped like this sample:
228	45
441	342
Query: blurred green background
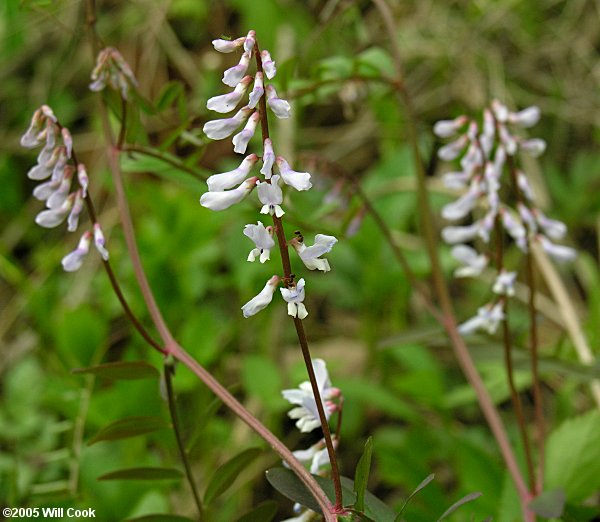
383	350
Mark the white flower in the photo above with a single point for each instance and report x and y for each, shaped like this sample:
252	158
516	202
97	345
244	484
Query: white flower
524	186
219	129
234	75
59	196
505	283
298	180
294	297
489	132
53	217
472	159
451	150
527	217
456	180
228	46
310	256
508	140
67	140
462	206
534	147
268	64
31	138
500	111
263	239
227	180
474	262
73	261
249	41
82	179
99	241
452	235
257	91
553	228
448	128
558	252
270	196
281	108
227	102
306	412
240	140
73	219
511	225
526	118
46	164
226	198
306	516
44	190
488	318
268	159
317	455
262	299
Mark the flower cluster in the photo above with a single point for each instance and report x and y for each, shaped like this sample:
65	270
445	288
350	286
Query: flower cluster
307	419
56	167
113	70
228	188
488	175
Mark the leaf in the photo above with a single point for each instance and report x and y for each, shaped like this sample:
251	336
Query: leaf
361	475
160	517
456	505
265	512
288	484
127	370
427	480
143	474
573	457
375	508
129	427
169	93
549	504
225	475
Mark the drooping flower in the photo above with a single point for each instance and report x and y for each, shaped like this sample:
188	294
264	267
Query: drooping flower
311	256
249	41
112	69
505	283
73	219
53	217
526	118
257	91
263	240
298	180
227	180
294	296
271	196
316	456
558	252
473	262
262	299
82	179
226	198
268	64
268	159
228	46
240	140
460	234
73	260
234	75
99	241
281	108
488	318
227	102
448	128
303	397
219	129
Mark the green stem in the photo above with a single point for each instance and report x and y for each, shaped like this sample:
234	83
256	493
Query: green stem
169	370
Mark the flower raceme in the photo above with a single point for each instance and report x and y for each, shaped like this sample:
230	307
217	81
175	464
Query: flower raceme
489	161
56	168
228	188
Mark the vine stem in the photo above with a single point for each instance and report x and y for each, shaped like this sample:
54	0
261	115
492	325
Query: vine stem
287	279
169	370
449	322
170	345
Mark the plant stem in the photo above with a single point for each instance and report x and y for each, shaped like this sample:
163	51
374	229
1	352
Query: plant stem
460	349
287	280
508	362
169	369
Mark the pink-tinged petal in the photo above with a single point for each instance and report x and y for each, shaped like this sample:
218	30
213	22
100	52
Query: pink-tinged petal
448	128
232	178
82	179
559	253
219	129
241	140
234	75
452	150
281	108
223	200
526	118
228	46
99	241
249	41
73	219
257	91
268	159
73	261
268	64
298	180
227	102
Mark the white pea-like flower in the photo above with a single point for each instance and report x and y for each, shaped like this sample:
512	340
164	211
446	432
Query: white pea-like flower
232	178
553	228
311	256
511	225
535	147
448	128
227	198
452	150
460	234
73	219
249	41
67	140
306	411
46	164
508	140
219	129
263	241
227	102
298	180
228	46
316	456
82	179
526	118
32	139
488	318
268	64
271	196
524	186
234	75
294	297
262	299
505	283
560	253
257	90
59	196
44	190
73	260
473	262
268	159
99	241
281	108
462	206
456	180
241	139
53	217
500	111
